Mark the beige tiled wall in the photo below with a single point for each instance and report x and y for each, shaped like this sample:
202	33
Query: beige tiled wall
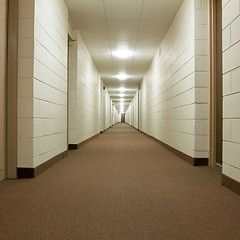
174	91
128	115
108	115
132	112
42	111
231	88
25	83
201	76
50	79
116	115
135	124
84	93
107	106
3	57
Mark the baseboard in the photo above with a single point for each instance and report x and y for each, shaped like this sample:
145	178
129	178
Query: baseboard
34	172
231	184
72	146
106	129
189	159
134	127
76	146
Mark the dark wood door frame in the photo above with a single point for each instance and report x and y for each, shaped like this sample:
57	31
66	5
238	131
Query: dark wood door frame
215	140
12	88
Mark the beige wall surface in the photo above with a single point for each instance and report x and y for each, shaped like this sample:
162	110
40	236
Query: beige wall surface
174	91
231	88
131	116
3	62
84	93
42	90
90	106
128	114
116	115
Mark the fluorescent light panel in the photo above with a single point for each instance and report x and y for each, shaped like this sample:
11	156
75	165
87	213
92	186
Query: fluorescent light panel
122	89
122	76
123	53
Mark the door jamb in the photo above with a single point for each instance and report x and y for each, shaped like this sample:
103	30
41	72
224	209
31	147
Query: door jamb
12	88
213	82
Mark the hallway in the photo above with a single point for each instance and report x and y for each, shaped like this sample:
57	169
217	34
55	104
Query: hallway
121	185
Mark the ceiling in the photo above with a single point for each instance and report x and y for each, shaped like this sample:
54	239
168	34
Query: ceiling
137	26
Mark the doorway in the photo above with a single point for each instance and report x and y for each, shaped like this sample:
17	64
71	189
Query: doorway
123	117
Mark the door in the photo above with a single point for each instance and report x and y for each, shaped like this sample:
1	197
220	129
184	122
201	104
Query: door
123	117
3	69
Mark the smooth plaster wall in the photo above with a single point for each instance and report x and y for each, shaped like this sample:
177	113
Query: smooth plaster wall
174	92
42	92
84	93
3	65
231	88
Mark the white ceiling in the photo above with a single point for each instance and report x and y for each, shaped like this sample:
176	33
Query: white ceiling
110	25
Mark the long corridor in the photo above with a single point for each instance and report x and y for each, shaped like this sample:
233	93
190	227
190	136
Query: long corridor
121	185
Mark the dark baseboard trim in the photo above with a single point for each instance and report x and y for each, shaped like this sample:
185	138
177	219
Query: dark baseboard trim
72	146
189	159
34	172
231	184
76	146
106	129
134	127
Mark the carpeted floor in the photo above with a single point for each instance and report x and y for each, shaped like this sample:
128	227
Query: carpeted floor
121	185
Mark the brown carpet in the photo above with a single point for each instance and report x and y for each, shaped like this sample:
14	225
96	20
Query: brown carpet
121	185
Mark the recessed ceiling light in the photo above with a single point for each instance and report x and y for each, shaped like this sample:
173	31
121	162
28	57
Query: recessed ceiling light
121	100
122	95
123	53
122	76
122	89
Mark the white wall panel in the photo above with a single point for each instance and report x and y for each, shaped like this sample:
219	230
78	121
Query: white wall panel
132	112
84	93
174	91
25	83
42	96
231	89
116	115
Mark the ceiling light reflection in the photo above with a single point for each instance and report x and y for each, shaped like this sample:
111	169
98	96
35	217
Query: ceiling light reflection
123	53
122	76
122	89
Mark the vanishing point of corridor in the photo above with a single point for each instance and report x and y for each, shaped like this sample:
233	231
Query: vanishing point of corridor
121	185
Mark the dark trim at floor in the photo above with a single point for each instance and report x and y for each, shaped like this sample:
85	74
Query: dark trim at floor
134	127
189	159
109	127
34	172
76	146
231	184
